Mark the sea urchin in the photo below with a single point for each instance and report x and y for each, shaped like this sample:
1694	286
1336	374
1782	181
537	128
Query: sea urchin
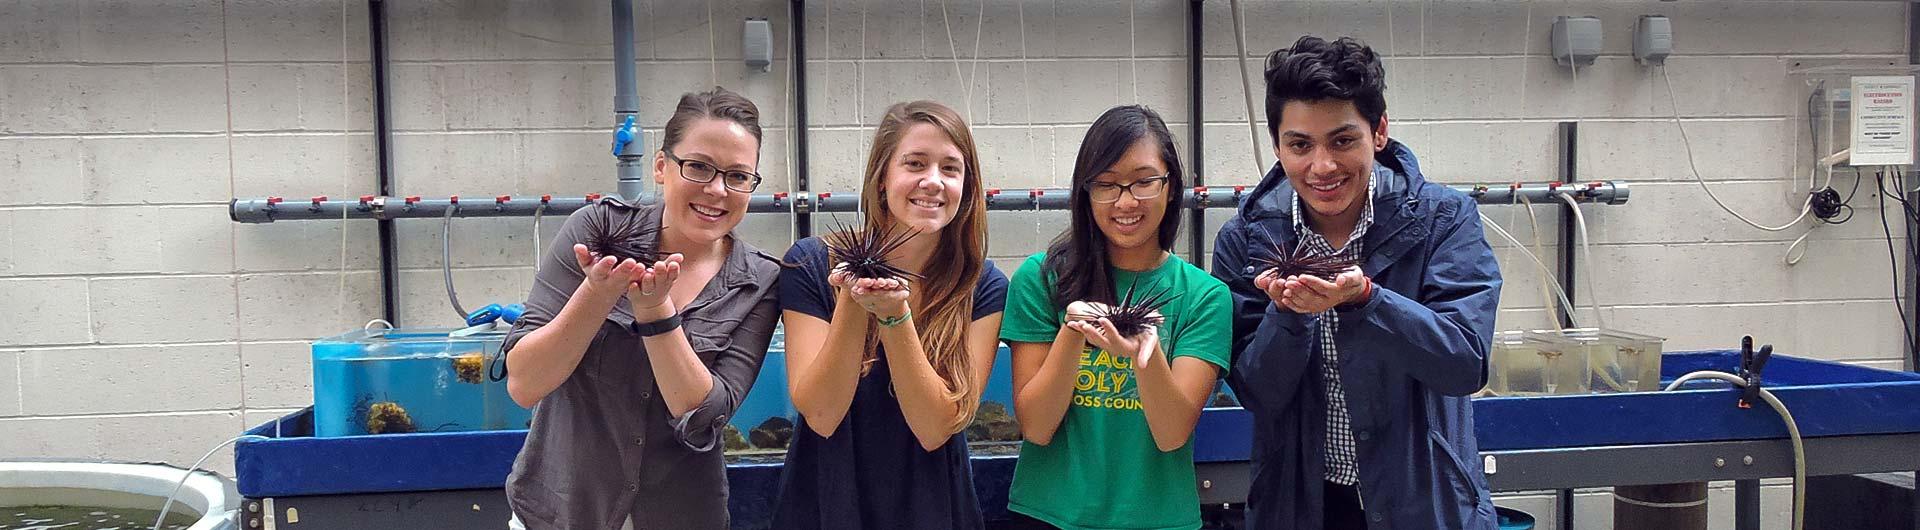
622	236
864	252
1136	310
1300	262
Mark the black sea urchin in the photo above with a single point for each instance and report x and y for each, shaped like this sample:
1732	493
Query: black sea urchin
1136	310
1299	261
622	236
864	252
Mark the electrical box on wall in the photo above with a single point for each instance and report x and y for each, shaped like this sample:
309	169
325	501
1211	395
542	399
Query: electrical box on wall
756	44
1576	40
1652	40
1834	127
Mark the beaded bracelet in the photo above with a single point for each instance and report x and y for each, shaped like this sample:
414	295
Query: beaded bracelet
895	321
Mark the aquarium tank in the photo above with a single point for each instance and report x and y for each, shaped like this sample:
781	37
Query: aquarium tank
398	381
394	381
1573	361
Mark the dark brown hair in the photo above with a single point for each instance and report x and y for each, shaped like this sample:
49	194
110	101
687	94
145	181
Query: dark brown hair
719	104
1314	69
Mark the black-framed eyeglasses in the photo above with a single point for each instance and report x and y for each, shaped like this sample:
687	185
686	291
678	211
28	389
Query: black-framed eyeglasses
702	173
1143	189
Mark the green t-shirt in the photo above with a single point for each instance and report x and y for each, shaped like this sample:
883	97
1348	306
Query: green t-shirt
1102	469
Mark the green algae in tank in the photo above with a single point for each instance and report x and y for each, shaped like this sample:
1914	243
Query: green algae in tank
88	518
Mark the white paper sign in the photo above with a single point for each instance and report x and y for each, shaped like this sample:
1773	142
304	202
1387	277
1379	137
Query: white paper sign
1882	121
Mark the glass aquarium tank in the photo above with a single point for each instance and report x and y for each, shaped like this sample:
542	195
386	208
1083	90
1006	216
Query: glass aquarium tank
1573	361
1504	343
764	422
396	381
1622	361
1223	396
1535	363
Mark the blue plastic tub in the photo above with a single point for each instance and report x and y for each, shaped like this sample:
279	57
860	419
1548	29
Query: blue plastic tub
1511	519
1838	399
1827	398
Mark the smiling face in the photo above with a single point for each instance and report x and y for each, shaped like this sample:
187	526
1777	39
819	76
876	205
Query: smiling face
1131	224
1326	149
703	213
924	178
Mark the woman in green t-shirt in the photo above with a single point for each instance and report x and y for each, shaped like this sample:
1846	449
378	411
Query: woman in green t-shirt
1107	417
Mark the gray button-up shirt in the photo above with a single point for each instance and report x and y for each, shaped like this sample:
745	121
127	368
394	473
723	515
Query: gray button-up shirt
603	446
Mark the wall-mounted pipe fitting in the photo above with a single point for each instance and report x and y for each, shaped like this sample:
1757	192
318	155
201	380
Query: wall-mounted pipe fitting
270	209
629	148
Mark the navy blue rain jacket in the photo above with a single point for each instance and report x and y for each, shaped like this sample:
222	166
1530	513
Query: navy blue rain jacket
1409	358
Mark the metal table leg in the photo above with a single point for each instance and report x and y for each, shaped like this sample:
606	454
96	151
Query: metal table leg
1565	500
1914	500
1746	505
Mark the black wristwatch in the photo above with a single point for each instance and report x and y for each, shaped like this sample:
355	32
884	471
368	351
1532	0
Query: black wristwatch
649	329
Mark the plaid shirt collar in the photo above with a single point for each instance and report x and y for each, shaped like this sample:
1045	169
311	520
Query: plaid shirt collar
1359	228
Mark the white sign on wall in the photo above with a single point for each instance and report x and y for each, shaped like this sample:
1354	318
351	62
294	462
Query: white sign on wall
1882	121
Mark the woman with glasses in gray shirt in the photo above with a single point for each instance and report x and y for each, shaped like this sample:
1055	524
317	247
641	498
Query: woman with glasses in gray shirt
631	368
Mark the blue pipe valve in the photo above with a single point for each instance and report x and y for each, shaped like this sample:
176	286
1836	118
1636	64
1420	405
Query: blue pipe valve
506	313
623	136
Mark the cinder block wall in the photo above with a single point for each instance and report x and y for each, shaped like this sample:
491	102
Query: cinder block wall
144	325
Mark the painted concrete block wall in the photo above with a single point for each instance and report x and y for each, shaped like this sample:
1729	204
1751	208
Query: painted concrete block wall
140	313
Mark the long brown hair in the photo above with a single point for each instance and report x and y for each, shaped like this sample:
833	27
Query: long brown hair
946	293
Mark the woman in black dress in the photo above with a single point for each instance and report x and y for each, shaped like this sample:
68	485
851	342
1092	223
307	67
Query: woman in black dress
886	372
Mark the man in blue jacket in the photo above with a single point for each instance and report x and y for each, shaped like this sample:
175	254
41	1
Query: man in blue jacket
1358	386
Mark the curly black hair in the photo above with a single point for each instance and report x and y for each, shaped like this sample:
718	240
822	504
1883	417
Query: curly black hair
1314	69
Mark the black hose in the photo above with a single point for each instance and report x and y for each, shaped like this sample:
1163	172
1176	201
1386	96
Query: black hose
446	258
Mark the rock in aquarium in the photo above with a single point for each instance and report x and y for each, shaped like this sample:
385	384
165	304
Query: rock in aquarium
732	439
993	423
773	433
470	368
387	417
